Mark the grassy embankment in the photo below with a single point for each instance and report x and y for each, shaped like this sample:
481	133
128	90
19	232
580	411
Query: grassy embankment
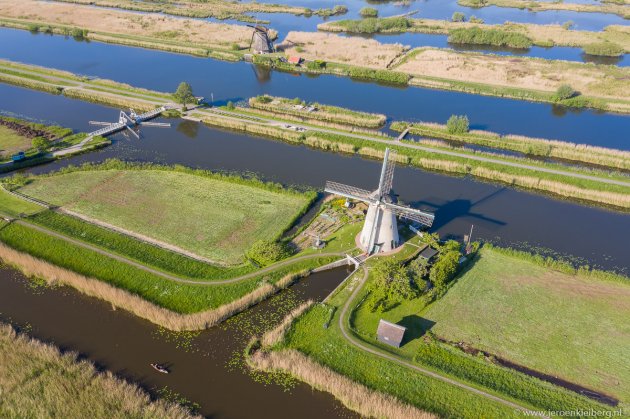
163	293
103	91
516	35
430	158
38	142
315	338
601	156
318	112
40	381
612	7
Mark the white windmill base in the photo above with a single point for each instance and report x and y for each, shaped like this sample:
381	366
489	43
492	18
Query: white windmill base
380	231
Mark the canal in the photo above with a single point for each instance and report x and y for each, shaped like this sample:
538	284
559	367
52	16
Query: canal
499	213
225	82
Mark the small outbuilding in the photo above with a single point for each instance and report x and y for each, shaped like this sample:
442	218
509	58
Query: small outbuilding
428	253
390	333
294	60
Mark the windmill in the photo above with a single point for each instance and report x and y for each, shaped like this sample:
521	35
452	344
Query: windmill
380	231
260	40
133	120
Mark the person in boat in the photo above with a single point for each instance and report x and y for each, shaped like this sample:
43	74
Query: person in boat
160	368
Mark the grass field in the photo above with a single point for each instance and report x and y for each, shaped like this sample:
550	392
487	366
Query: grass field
12	206
38	381
11	142
567	326
213	218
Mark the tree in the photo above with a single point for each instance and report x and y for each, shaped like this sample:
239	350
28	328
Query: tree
392	284
40	143
458	124
184	94
444	269
368	12
458	17
565	92
265	252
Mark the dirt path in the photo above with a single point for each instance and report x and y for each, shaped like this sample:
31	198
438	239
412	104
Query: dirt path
171	277
348	335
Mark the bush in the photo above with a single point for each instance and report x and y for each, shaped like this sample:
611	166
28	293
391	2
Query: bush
475	19
78	33
392	284
605	49
458	124
265	252
379	75
494	37
40	143
368	12
339	10
458	17
565	92
444	269
568	24
263	99
235	47
316	65
33	28
230	105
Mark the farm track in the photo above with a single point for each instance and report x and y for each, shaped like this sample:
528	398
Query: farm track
172	277
344	323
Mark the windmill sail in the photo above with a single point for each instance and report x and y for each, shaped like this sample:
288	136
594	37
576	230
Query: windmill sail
422	217
348	191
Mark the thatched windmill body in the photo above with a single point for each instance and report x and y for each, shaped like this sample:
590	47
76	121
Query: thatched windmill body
260	43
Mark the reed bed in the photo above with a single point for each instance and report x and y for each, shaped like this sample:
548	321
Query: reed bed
135	304
277	334
38	380
555	187
30	84
106	99
601	156
355	396
324	113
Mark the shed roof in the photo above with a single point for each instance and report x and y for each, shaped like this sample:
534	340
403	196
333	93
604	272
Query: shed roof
428	253
390	333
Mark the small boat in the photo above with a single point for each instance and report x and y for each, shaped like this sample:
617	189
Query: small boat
160	368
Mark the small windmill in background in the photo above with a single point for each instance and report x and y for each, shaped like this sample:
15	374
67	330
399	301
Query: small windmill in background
260	43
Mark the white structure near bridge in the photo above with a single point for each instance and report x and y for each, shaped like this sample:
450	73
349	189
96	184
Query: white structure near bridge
380	231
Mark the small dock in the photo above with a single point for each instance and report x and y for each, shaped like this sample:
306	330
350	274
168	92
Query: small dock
403	134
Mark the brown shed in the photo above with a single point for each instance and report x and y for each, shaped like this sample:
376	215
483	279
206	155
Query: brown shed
390	333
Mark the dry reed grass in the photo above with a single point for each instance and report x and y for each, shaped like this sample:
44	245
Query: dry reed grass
558	188
127	23
38	381
35	267
276	335
355	396
520	73
328	47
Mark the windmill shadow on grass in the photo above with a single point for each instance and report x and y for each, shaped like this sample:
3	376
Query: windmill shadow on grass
416	327
459	207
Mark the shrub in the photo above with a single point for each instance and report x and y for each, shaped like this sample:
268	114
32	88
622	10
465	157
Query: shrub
478	3
235	47
40	143
475	19
444	269
316	65
458	17
392	284
33	28
299	49
263	99
458	124
568	24
78	33
265	252
339	10
379	75
606	49
494	37
230	105
368	12
565	92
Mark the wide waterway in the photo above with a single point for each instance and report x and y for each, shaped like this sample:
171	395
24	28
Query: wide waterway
225	81
499	213
206	368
